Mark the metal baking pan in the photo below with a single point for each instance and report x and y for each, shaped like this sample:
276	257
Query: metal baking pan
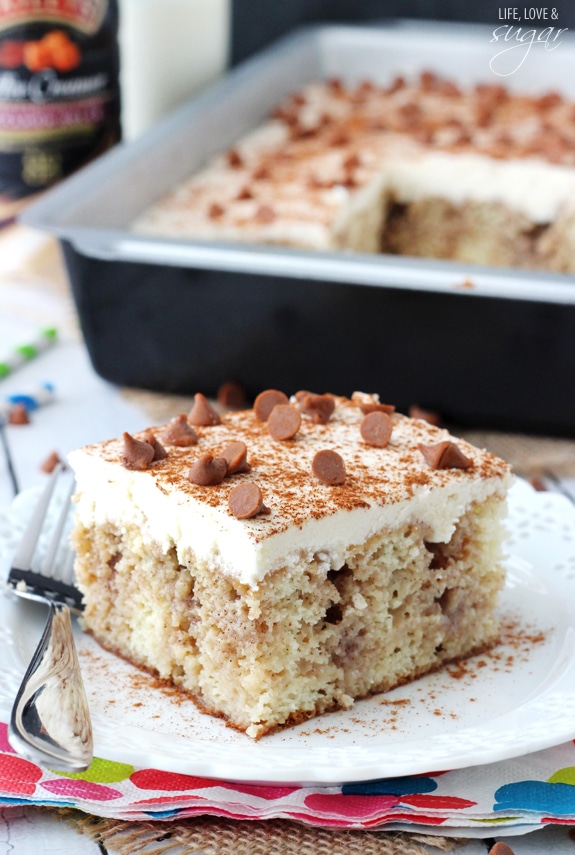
484	346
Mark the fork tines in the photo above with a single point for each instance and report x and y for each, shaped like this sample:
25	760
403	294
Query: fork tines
53	579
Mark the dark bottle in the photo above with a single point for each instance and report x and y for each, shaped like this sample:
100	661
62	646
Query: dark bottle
59	91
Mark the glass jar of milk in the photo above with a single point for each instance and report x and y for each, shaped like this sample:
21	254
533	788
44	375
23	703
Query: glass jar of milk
169	49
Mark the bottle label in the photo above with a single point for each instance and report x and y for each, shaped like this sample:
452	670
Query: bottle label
84	15
59	90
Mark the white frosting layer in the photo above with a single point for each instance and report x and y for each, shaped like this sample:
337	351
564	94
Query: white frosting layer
531	187
384	489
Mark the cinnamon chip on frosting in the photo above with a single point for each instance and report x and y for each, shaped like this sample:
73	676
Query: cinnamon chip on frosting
137	453
179	432
202	413
319	407
235	159
445	455
160	452
376	429
371	403
328	467
265	214
429	416
246	500
266	401
208	470
235	455
231	395
261	173
215	211
283	422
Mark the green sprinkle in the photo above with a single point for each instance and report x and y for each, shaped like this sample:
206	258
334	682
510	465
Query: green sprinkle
27	351
4	369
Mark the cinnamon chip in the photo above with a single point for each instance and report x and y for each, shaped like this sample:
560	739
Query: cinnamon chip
501	848
160	452
19	415
377	408
49	464
266	401
231	395
215	211
429	416
538	484
235	159
261	173
494	92
300	132
265	214
179	432
283	422
483	113
208	470
289	115
548	101
428	80
137	453
396	85
446	87
371	403
319	407
235	455
351	162
202	413
376	429
328	467
339	138
445	455
245	501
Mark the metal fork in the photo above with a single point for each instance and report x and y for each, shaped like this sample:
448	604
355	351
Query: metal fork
50	721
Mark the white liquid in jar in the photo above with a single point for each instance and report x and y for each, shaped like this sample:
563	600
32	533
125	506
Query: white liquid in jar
170	49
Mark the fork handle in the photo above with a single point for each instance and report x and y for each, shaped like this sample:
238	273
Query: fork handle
50	721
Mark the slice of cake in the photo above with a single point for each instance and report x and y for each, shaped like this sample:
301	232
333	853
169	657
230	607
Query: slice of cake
280	562
422	167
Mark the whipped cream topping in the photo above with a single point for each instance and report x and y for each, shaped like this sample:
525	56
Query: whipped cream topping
384	488
297	177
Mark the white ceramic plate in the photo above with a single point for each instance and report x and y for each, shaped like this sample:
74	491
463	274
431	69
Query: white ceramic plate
517	699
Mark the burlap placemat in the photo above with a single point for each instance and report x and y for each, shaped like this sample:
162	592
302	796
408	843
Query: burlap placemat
215	836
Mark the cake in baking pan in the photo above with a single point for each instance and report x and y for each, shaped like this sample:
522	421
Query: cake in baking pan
418	168
283	561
